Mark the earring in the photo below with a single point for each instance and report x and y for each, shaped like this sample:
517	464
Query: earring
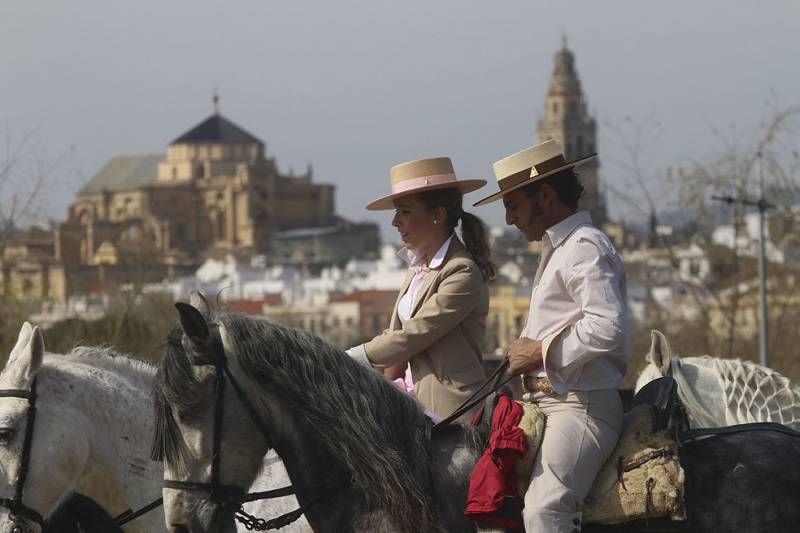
435	221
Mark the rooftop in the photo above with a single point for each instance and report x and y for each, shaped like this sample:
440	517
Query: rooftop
217	129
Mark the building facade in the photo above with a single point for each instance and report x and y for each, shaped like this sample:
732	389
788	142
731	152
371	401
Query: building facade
214	190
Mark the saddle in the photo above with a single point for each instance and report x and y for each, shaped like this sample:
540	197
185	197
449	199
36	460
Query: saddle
643	477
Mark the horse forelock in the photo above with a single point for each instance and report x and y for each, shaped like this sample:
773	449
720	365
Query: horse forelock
175	388
360	418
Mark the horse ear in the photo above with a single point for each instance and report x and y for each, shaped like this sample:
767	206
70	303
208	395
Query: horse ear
193	322
660	352
22	339
198	300
26	358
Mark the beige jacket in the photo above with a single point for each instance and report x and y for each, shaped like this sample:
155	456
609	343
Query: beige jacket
442	339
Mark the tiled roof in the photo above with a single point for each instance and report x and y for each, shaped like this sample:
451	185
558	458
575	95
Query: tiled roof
124	172
217	129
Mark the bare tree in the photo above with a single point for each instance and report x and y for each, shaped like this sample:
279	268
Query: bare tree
25	173
731	171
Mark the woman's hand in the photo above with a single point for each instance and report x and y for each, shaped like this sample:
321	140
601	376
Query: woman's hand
524	355
394	372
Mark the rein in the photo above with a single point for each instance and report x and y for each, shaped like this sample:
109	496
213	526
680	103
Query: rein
497	381
229	495
15	505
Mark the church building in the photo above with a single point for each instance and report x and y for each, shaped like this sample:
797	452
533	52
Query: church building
213	193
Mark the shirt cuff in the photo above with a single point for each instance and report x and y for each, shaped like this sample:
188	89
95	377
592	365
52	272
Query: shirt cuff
554	351
359	354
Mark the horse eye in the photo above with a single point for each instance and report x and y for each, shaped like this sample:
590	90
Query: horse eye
6	435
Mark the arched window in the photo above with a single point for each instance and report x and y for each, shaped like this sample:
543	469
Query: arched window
201	171
220	225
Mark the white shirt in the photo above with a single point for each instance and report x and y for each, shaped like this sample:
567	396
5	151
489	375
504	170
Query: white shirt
421	270
578	308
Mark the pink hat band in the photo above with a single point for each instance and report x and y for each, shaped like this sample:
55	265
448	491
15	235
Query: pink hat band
422	181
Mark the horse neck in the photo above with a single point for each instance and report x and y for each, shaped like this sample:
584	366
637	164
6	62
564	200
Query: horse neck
118	424
309	465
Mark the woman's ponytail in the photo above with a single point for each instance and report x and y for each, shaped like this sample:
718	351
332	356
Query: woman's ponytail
475	240
473	230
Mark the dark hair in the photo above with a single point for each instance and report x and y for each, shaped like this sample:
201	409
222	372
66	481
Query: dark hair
472	228
565	183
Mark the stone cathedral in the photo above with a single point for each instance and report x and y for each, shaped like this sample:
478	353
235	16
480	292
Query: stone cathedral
214	192
567	121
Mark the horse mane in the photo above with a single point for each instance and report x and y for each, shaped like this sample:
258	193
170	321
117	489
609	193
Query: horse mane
108	358
342	401
755	393
104	357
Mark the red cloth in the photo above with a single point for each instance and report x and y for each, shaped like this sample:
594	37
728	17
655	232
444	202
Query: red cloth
493	498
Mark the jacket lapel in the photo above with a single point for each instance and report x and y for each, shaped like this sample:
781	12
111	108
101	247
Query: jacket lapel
455	248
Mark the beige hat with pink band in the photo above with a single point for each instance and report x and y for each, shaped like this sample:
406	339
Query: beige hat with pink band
530	165
423	175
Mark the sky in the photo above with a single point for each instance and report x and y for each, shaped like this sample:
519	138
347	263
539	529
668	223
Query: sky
354	87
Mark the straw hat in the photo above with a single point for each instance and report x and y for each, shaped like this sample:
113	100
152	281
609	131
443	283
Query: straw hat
423	175
543	160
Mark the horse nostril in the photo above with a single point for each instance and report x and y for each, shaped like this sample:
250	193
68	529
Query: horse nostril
180	528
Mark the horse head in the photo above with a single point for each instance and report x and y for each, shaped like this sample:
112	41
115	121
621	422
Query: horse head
203	430
32	433
354	446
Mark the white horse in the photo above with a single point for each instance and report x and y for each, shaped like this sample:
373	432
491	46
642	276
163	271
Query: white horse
93	422
718	392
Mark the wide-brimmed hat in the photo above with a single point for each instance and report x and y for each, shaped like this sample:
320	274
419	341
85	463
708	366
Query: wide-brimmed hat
543	160
423	175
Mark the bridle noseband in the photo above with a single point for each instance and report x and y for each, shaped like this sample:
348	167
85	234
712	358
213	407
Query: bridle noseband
15	506
230	495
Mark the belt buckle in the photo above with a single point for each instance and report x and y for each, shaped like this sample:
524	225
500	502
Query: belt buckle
538	384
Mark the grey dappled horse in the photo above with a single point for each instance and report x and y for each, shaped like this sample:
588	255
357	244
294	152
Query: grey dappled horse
718	392
358	451
92	434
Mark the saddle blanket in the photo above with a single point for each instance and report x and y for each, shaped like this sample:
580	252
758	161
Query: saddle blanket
642	478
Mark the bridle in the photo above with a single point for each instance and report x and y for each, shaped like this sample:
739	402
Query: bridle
230	495
15	505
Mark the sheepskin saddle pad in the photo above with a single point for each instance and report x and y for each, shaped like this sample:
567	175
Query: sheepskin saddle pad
642	478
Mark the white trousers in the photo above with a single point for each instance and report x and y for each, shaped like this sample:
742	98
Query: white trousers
581	431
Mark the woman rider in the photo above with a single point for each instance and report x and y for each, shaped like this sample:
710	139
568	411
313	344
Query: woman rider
436	329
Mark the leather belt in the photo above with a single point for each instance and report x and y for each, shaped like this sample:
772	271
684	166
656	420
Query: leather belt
541	384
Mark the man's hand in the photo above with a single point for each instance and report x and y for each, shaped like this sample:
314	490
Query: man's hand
524	355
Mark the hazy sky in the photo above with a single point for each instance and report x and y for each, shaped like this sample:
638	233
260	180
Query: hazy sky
355	87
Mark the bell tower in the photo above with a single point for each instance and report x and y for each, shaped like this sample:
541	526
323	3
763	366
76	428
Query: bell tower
567	121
